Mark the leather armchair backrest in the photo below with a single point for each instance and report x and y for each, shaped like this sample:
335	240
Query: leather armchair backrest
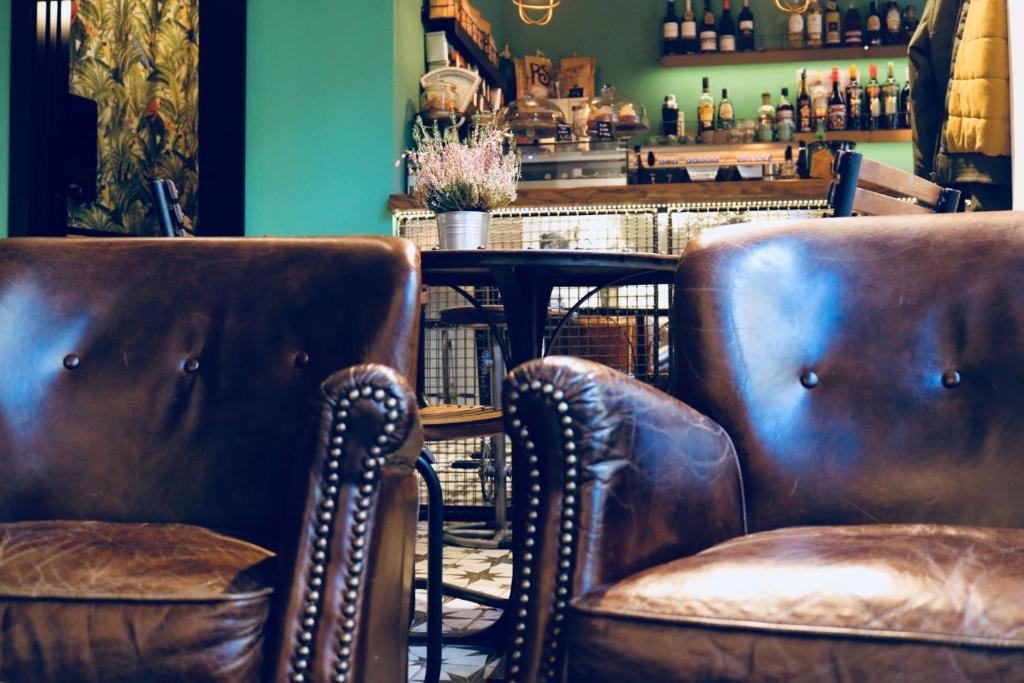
177	380
868	370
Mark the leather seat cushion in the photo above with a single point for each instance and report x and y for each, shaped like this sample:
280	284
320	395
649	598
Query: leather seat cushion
883	602
91	601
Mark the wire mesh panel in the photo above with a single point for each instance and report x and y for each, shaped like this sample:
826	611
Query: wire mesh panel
624	327
688	221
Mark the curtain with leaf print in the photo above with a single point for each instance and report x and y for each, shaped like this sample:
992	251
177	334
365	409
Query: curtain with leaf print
139	60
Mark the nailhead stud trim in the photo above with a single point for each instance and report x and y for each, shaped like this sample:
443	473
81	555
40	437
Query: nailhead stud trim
566	540
353	562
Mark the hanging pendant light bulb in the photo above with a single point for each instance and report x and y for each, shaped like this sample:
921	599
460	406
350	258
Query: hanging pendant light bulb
793	6
536	12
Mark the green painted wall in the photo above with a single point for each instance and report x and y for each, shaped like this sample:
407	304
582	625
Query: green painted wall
409	64
5	97
623	35
328	85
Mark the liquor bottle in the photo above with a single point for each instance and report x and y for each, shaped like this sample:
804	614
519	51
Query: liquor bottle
726	114
906	113
766	119
853	34
708	30
746	21
815	25
836	104
670	116
726	29
688	31
873	26
893	24
785	117
670	30
819	99
909	25
795	31
804	108
890	101
854	101
706	113
873	95
833	25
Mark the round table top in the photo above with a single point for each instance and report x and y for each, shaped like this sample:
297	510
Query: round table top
576	267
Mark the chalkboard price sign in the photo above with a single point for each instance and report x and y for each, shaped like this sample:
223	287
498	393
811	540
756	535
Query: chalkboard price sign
604	131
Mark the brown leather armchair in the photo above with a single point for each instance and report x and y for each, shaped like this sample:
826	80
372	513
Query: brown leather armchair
835	496
207	453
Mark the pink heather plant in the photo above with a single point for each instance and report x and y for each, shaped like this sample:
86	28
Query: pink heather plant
479	174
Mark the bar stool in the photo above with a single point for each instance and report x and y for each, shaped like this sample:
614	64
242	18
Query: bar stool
450	422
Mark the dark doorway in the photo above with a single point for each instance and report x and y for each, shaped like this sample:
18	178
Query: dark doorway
107	94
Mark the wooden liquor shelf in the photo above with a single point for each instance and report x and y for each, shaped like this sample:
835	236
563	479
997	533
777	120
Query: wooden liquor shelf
834	54
862	136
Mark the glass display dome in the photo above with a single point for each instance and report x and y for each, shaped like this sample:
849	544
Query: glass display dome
626	115
532	118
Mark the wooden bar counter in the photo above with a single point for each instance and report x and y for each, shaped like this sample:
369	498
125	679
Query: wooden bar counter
656	195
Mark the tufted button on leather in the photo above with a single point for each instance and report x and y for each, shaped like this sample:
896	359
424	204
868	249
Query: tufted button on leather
809	379
951	379
301	359
191	365
72	361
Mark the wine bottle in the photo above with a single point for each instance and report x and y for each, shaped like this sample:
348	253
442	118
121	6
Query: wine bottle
802	168
873	26
670	116
836	104
746	21
819	99
688	31
785	117
726	29
853	34
890	101
708	30
893	24
833	25
906	111
670	30
726	114
804	108
706	114
795	31
766	119
815	25
854	101
873	95
909	25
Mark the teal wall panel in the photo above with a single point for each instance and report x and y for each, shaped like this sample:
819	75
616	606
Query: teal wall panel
319	117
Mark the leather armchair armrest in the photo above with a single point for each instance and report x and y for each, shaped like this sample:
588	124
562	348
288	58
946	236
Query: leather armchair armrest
617	477
346	616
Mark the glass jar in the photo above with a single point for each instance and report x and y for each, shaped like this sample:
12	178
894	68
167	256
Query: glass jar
439	102
626	115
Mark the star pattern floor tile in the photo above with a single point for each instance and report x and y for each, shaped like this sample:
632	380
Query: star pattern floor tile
485	571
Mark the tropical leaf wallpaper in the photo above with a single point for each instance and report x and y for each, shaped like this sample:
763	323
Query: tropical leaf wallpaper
139	60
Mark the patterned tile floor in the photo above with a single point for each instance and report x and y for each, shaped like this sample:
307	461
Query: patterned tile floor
486	571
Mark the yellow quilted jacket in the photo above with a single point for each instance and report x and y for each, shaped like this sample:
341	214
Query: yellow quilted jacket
960	55
979	92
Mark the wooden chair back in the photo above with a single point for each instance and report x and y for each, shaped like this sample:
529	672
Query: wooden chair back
870	188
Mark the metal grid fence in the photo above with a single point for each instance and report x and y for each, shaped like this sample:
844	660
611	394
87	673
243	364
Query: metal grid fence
623	327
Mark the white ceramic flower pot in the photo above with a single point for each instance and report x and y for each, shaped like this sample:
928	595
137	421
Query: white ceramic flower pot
463	229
